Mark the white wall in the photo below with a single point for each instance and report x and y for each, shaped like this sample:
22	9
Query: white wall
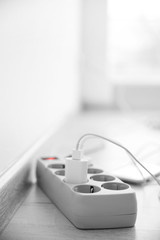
96	88
38	70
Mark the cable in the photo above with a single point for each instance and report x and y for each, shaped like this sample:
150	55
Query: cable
85	137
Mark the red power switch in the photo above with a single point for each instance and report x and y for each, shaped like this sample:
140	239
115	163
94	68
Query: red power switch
50	158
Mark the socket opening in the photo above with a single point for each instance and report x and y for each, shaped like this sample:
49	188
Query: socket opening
69	156
56	165
102	178
60	172
94	170
86	189
115	186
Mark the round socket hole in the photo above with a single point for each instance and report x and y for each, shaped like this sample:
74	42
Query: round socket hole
94	170
86	189
60	172
115	186
102	178
56	166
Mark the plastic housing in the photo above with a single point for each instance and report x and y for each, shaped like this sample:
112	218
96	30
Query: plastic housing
103	202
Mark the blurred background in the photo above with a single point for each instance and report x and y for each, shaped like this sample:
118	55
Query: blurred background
60	57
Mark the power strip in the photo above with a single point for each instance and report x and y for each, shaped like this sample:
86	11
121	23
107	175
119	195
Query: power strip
103	202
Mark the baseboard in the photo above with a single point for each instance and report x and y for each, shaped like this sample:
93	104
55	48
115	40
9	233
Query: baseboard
16	181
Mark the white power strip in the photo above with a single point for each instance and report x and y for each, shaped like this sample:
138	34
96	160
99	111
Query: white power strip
103	202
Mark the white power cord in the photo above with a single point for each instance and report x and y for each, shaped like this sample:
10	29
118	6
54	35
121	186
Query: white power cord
77	153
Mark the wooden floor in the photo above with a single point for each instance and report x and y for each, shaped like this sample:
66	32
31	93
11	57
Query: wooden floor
38	218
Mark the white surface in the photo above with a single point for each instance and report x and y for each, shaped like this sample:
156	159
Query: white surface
131	174
124	128
39	73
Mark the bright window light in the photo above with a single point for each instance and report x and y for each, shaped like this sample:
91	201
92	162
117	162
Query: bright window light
133	35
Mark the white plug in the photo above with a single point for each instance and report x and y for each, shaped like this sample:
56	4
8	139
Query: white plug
76	168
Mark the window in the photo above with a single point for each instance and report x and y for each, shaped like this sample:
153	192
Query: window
120	51
133	32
